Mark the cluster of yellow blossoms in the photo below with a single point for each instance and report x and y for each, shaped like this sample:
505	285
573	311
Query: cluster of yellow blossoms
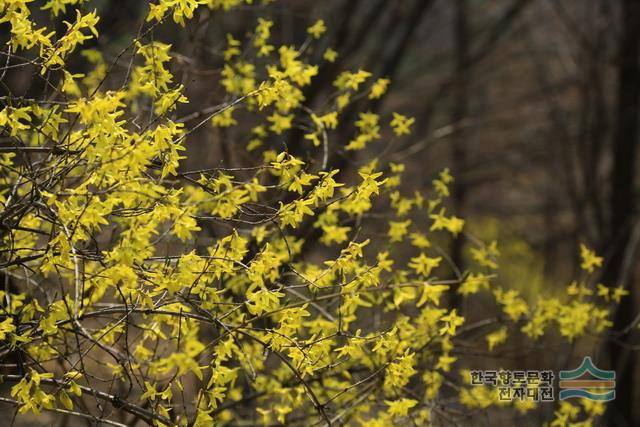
205	294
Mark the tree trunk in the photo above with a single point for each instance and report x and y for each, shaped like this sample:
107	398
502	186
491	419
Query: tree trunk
625	141
459	112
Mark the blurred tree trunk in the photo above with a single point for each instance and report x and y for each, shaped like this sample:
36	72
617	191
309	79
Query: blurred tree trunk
459	113
625	141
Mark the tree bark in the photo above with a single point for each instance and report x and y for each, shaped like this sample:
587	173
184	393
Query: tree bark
459	112
625	142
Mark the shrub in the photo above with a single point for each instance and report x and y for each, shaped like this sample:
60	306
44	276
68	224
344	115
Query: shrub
283	290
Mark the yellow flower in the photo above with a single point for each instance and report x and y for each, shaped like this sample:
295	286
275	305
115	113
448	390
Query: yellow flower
589	259
451	323
401	124
348	80
497	337
419	240
398	229
280	123
330	55
379	88
432	293
618	293
400	408
423	264
317	29
224	119
473	283
486	255
232	49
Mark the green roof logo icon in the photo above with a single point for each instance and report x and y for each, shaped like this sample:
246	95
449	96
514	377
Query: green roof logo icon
588	382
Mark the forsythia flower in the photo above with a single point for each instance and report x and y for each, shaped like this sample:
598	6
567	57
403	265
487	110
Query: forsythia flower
280	123
11	118
497	337
379	88
232	48
589	259
317	29
348	80
451	323
419	240
224	119
486	255
400	408
618	293
423	264
397	230
330	55
453	224
473	283
432	293
263	32
401	124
